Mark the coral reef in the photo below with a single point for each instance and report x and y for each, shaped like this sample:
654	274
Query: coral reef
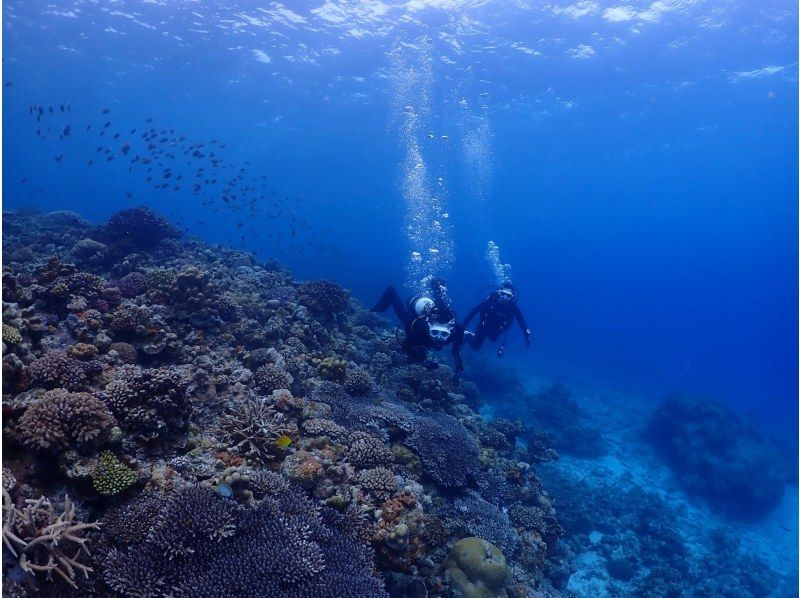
718	456
256	435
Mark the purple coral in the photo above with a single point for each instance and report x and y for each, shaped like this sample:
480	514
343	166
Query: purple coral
200	544
60	420
449	453
57	370
139	227
131	285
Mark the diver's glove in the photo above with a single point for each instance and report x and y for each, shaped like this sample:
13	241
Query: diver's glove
527	337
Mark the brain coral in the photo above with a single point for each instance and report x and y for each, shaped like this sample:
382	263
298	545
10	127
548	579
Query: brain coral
196	543
60	419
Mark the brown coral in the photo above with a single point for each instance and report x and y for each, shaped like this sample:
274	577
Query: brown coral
46	540
60	419
57	370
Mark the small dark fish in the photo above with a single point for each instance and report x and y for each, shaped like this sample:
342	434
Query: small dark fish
105	111
133	131
109	158
100	149
41	111
128	195
177	188
23	180
62	107
8	83
90	162
148	179
116	135
65	131
126	147
58	158
108	124
88	127
50	109
149	120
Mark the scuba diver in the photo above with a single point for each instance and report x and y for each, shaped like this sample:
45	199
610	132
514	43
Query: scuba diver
497	311
429	322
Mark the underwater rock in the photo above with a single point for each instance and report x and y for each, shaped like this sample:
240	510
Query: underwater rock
477	569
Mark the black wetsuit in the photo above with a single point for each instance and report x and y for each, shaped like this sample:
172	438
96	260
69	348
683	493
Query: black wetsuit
418	339
496	318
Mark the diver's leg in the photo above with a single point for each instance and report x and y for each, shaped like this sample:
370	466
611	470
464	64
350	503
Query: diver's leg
390	297
476	341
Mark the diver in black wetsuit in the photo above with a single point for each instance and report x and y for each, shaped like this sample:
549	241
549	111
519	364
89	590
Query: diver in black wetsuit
429	322
498	311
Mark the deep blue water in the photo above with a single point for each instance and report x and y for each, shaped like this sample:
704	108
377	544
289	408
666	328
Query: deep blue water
636	165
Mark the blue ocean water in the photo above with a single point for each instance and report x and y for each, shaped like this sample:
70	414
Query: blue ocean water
636	163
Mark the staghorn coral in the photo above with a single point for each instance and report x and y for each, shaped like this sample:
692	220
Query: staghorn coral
47	541
270	377
59	420
449	453
111	476
57	370
200	544
251	427
323	297
358	381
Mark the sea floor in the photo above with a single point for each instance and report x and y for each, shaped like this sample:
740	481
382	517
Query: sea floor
631	466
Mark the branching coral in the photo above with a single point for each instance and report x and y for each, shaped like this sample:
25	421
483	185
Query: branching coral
111	475
46	540
367	451
147	401
200	544
358	381
60	419
270	377
251	427
57	370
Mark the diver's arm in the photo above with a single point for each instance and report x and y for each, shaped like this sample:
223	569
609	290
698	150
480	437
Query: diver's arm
523	326
458	340
473	312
